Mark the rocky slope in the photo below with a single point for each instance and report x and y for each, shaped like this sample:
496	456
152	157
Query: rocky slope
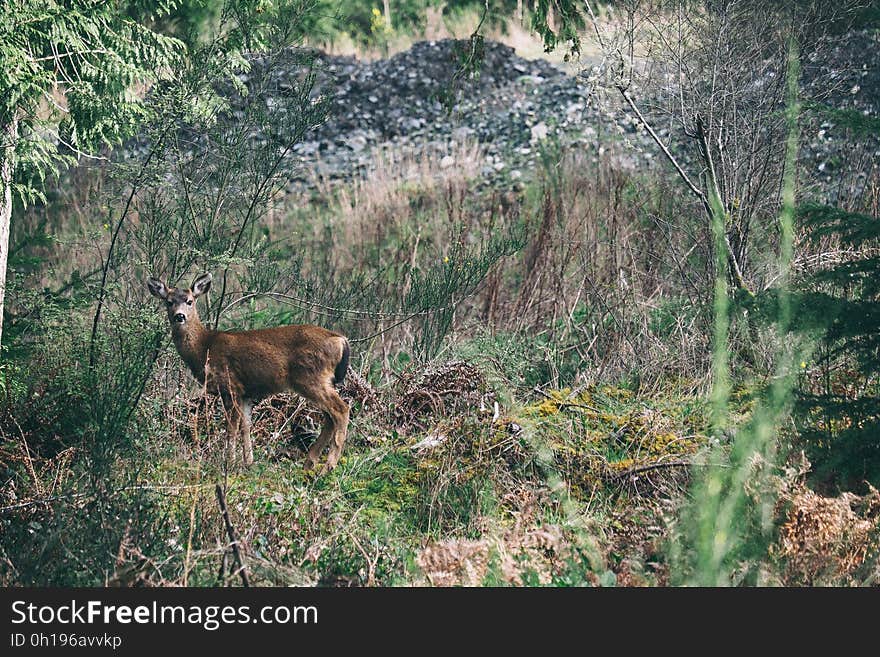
419	102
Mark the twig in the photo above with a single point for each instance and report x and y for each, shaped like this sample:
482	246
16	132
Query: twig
79	496
189	539
105	269
472	56
330	311
666	152
29	459
230	530
652	466
221	575
42	500
563	403
735	270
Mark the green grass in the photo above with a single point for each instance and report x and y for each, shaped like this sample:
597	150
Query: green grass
368	520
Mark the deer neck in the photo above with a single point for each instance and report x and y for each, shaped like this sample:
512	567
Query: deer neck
191	341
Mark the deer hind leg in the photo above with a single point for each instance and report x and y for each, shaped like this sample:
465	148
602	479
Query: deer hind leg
340	424
247	447
334	431
320	443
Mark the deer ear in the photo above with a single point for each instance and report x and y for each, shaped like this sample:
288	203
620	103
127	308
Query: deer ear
201	285
157	288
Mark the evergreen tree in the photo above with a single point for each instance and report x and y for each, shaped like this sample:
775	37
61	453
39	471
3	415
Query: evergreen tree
837	408
839	415
68	76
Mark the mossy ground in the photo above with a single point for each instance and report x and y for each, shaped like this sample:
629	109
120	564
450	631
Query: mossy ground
585	467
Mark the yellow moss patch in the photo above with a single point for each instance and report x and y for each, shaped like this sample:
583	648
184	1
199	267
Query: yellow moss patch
614	392
548	407
662	441
555	400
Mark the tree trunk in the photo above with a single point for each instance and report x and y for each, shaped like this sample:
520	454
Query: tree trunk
8	139
387	8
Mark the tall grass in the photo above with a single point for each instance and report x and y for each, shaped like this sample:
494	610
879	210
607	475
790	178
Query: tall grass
729	525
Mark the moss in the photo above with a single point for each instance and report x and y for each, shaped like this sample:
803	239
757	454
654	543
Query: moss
387	485
553	402
623	464
616	393
481	480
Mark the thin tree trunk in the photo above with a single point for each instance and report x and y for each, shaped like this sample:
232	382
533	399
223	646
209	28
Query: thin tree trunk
387	8
8	139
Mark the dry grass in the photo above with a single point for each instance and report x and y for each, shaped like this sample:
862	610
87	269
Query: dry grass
535	554
610	274
828	540
401	193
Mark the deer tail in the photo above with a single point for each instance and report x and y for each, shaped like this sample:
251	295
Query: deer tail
342	366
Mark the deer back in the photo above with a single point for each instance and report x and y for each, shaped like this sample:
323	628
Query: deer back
263	362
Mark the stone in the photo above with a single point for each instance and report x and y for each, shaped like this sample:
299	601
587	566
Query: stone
462	133
394	105
357	143
539	132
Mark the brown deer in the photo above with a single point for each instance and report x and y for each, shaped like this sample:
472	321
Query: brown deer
246	366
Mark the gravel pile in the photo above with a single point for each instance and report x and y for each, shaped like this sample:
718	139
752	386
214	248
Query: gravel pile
513	105
510	107
847	79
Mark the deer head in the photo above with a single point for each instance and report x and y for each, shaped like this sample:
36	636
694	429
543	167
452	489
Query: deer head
180	304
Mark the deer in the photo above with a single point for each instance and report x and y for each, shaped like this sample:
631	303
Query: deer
243	367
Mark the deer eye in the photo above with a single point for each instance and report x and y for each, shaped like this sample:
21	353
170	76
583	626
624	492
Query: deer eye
189	302
169	303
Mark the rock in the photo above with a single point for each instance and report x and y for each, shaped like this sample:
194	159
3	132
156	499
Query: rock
509	109
357	143
539	132
462	133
